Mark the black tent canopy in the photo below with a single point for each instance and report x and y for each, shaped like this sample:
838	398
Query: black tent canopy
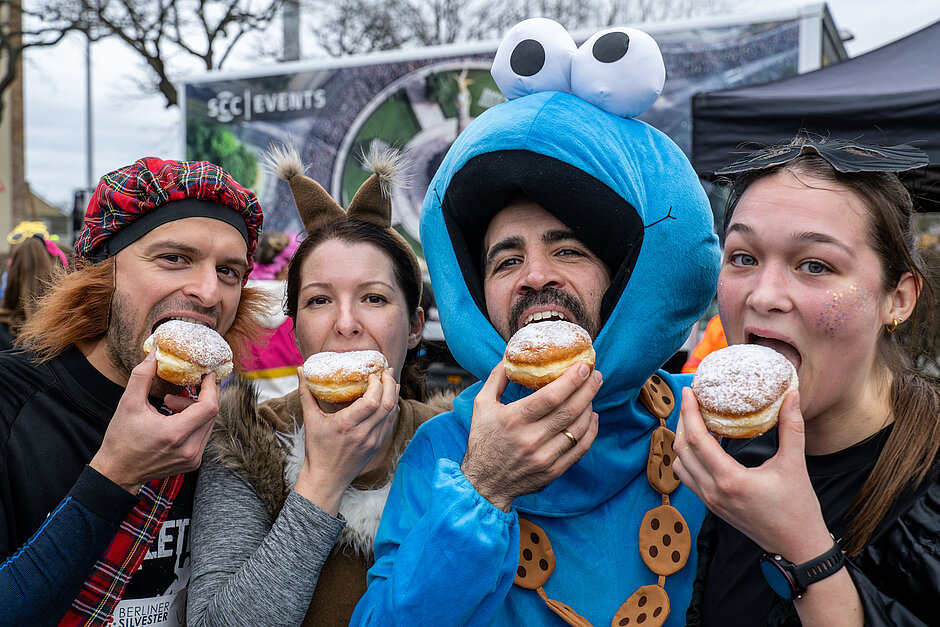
890	95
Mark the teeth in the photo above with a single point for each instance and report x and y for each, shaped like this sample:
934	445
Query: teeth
545	315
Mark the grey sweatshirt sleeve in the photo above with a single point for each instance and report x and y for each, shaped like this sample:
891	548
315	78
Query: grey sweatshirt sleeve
246	569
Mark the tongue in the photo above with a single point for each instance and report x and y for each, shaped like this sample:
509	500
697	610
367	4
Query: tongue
787	350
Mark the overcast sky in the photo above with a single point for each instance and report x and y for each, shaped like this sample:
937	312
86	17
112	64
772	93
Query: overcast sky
128	125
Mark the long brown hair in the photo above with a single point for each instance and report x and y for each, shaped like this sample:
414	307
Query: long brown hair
403	262
78	306
31	270
911	449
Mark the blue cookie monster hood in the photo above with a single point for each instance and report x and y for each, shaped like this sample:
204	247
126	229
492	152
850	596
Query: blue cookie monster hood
624	187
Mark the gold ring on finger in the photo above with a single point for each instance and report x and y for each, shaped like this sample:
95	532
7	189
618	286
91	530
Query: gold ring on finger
570	436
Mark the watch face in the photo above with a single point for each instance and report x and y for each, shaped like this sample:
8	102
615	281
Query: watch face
777	578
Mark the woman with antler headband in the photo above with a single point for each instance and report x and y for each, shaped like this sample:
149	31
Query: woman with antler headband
838	507
291	490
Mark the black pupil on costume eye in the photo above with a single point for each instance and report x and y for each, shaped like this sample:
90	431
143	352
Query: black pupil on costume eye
528	58
611	47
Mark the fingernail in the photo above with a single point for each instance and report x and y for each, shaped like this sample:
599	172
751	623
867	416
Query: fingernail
598	376
584	371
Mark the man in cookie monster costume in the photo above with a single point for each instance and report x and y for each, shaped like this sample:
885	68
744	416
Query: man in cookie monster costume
559	505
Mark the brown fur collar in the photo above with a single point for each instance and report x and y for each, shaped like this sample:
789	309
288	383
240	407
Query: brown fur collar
242	441
264	445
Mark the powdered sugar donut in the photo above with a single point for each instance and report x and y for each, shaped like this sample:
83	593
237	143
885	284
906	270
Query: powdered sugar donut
187	351
540	352
342	377
740	389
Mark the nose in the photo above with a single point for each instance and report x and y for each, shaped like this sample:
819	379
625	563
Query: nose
771	290
540	273
203	285
347	322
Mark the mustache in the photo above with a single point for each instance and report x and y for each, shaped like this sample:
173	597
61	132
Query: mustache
550	296
163	311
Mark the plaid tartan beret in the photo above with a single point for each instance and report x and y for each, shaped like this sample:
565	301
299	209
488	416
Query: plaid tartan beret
132	201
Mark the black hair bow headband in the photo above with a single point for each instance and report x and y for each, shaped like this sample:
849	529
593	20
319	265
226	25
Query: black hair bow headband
844	156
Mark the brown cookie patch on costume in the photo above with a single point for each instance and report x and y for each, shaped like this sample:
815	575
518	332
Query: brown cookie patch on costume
665	541
659	468
657	397
565	612
536	558
648	606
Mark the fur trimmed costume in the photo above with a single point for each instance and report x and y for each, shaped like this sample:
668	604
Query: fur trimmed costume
315	563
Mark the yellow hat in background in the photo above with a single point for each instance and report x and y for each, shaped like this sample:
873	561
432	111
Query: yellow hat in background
25	230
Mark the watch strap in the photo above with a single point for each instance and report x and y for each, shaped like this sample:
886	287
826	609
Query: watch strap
819	568
807	573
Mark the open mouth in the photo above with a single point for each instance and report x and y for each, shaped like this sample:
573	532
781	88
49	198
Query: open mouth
544	316
784	348
181	318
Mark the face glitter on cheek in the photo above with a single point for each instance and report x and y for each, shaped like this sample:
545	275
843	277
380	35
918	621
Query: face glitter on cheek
858	299
834	315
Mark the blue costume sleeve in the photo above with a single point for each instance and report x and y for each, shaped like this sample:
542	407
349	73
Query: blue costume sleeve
444	554
39	581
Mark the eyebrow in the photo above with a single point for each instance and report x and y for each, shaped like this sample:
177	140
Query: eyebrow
514	242
804	237
327	285
174	245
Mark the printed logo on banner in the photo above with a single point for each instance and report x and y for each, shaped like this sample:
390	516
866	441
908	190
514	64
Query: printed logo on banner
227	105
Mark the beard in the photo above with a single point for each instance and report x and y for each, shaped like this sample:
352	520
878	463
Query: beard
125	344
125	349
554	296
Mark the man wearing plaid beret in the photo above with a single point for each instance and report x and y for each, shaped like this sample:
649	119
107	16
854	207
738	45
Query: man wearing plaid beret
98	455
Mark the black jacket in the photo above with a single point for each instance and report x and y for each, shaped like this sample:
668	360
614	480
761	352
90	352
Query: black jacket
897	574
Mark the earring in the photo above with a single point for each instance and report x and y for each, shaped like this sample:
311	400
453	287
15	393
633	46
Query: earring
890	328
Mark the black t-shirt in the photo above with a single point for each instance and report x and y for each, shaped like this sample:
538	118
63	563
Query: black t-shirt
53	418
6	338
735	589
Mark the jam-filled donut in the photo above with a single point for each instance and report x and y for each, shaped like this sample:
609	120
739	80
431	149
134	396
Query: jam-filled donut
187	351
740	389
540	352
342	377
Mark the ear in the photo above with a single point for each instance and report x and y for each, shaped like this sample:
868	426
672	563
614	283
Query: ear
903	298
417	328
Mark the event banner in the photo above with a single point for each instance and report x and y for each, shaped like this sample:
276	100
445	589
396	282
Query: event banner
334	112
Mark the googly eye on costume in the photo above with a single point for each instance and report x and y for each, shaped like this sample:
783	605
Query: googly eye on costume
619	70
535	55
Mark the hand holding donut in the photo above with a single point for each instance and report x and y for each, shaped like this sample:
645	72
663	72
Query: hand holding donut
339	446
142	444
521	447
774	503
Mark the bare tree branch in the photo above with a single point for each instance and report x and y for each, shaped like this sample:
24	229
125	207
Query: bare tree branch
203	30
345	27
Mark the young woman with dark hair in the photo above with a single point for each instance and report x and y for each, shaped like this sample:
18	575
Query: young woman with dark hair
838	507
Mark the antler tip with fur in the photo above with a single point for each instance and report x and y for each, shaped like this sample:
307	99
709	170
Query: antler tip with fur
284	161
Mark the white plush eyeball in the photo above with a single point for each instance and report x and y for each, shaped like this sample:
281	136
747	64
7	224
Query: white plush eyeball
619	70
535	55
